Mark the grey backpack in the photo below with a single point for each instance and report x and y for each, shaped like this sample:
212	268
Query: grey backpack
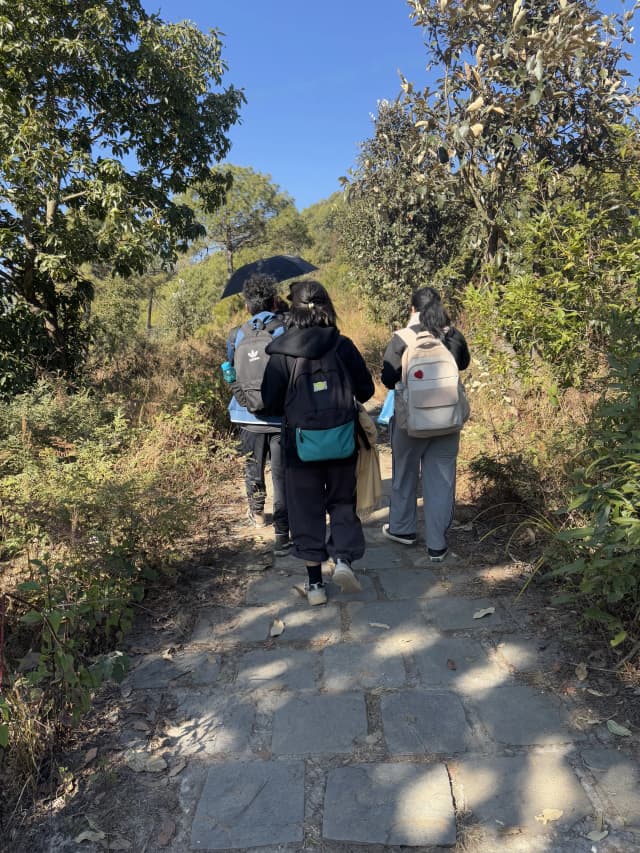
250	358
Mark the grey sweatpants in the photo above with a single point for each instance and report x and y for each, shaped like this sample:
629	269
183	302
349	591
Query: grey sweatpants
437	458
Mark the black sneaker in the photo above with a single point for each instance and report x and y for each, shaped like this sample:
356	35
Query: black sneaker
403	538
282	545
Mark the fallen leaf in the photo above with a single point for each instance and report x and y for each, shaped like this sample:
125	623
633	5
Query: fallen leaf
90	755
597	836
487	611
277	627
166	833
90	835
378	625
548	815
581	671
177	768
594	692
451	664
617	729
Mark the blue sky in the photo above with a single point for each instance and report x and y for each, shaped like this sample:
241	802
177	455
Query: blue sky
312	74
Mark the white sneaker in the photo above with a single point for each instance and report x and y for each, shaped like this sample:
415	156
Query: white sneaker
446	556
344	577
316	593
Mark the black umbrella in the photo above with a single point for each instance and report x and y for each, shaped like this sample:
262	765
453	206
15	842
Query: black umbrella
281	267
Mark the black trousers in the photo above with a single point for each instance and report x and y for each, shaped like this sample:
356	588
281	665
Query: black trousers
257	447
313	490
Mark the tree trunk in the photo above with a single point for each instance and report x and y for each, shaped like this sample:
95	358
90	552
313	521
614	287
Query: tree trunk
150	308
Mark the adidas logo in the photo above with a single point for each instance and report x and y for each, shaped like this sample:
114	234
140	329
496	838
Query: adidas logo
253	355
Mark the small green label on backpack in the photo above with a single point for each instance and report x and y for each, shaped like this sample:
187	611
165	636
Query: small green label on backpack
320	386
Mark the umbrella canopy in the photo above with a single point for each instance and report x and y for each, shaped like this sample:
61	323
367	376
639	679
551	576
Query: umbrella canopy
281	267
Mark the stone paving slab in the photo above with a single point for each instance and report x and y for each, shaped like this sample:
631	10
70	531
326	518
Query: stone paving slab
303	623
379	559
250	804
398	627
459	663
506	793
155	672
211	724
321	723
233	626
456	614
351	666
411	584
282	590
524	654
390	804
617	780
523	716
417	722
278	669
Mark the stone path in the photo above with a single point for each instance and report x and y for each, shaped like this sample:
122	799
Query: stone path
396	717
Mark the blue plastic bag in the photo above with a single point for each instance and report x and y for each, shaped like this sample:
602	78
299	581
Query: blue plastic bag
386	413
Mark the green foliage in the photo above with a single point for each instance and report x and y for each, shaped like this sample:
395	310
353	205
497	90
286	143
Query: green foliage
604	570
251	201
520	83
398	228
287	234
107	114
552	320
323	224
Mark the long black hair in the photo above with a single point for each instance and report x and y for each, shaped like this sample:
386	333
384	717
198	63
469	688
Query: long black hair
311	305
433	316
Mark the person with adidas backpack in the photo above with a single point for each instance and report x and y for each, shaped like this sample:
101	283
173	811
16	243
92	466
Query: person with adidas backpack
422	363
314	377
259	433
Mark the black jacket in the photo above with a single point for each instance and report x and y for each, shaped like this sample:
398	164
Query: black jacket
310	343
392	361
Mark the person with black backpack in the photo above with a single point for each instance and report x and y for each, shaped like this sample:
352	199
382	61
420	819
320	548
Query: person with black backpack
314	377
421	362
259	433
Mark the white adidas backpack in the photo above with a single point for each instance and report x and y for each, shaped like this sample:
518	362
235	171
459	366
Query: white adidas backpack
430	398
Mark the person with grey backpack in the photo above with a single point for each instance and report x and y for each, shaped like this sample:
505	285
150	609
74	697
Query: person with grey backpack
422	363
259	432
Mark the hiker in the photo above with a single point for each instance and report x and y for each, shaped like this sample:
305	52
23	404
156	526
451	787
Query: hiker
434	456
259	433
312	377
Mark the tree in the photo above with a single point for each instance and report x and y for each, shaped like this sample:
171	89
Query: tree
252	201
520	82
322	220
399	226
287	233
107	114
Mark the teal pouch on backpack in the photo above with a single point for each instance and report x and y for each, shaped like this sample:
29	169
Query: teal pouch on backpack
316	445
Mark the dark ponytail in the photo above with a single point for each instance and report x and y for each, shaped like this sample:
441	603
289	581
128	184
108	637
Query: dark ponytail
311	305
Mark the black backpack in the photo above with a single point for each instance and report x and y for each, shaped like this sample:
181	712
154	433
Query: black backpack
250	358
320	407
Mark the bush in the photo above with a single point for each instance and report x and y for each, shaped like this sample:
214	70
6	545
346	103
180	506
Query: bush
603	572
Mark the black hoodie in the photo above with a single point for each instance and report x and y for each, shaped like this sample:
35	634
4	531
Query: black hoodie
310	343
